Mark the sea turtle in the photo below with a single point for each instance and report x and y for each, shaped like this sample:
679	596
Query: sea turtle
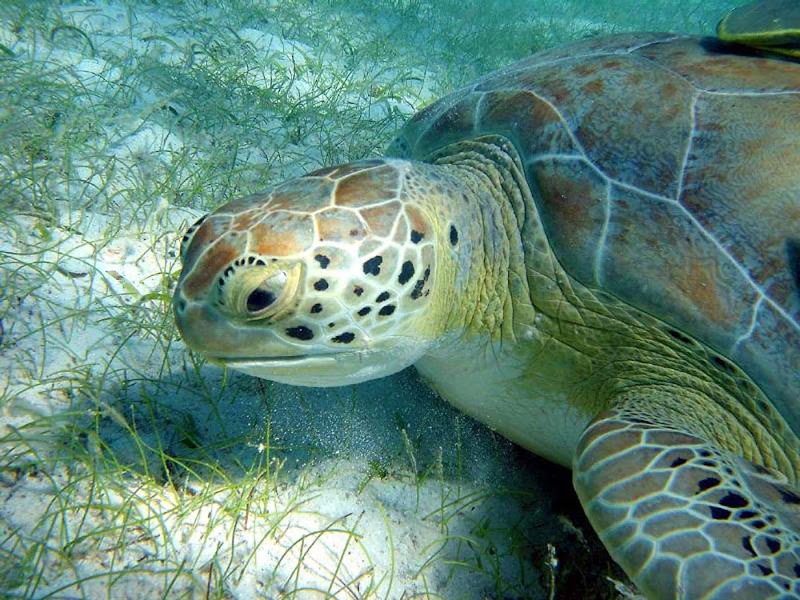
596	252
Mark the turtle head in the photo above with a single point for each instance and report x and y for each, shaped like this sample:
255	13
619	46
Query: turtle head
322	281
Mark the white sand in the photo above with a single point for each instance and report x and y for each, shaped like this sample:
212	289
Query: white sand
130	469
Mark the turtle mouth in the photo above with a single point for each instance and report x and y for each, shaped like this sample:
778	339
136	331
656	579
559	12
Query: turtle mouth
314	370
236	362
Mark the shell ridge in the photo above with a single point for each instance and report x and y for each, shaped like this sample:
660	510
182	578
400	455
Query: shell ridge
524	65
666	40
751	94
597	268
689	145
707	90
608	178
741	268
751	329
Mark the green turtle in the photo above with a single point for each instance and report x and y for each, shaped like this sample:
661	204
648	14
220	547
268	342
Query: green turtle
596	252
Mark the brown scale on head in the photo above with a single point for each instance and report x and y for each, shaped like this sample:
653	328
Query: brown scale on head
322	264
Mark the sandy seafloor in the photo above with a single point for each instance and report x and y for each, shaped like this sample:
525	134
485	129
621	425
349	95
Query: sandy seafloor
132	469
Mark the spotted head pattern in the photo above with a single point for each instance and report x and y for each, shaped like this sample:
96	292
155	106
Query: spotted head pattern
325	263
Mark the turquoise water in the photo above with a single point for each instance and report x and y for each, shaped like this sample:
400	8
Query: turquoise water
120	123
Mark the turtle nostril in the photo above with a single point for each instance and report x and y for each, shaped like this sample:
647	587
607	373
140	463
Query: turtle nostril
179	301
259	299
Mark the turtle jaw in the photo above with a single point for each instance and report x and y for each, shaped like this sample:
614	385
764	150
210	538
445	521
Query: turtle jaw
320	370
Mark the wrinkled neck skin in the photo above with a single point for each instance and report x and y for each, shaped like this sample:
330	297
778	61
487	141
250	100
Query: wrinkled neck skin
499	300
526	349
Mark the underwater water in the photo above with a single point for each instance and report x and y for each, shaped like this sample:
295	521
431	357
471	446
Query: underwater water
131	467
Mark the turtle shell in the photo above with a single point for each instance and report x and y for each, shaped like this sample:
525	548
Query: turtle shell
666	171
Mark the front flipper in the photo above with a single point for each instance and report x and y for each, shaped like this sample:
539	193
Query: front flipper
683	519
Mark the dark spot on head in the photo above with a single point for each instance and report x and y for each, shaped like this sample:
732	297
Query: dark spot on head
453	235
317	308
353	232
198	222
758	524
259	299
773	545
720	514
417	291
344	338
416	236
677	462
260	262
746	514
705	453
406	272
373	265
320	285
748	545
222	281
733	500
300	332
358	290
323	260
765	570
797	569
386	310
251	260
708	463
331	324
707	483
684	339
789	496
364	311
382	297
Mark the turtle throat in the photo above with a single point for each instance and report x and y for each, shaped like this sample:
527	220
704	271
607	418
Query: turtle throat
497	234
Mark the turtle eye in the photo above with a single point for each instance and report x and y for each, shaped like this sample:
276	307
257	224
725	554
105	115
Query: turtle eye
259	292
260	299
266	294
